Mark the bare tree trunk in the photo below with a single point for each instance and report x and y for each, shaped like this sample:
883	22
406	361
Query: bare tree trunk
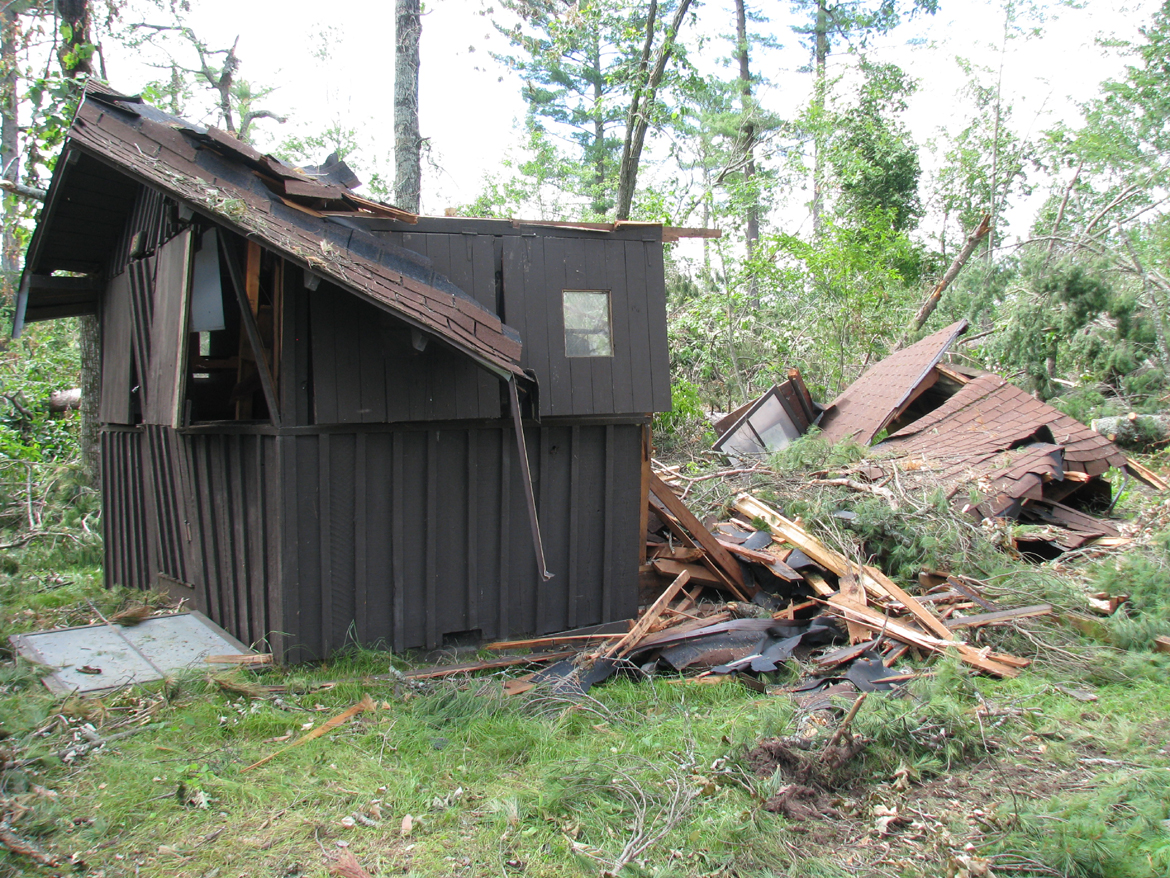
407	140
9	142
935	296
74	55
747	135
820	87
636	134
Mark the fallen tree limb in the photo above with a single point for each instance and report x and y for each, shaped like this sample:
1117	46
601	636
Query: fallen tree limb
935	296
26	848
862	488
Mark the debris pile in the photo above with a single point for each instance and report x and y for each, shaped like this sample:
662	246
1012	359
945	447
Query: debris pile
996	451
783	595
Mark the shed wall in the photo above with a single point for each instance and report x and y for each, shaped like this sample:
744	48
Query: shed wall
401	536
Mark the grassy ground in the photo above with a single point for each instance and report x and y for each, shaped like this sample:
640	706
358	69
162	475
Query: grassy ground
1064	771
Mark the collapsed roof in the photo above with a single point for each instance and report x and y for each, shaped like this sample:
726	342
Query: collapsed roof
303	214
996	451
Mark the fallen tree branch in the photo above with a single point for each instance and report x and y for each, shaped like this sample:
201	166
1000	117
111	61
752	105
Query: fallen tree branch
26	848
863	488
21	191
935	296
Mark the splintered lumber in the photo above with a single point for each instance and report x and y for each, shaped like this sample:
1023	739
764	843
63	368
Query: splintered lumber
643	625
367	703
851	590
999	617
778	567
698	572
959	585
684	554
1147	475
846	609
437	671
819	584
679	531
872	579
700	534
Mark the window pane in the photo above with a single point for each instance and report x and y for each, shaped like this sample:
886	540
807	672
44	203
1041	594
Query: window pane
587	325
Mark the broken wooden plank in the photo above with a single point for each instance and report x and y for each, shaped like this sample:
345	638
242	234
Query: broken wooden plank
701	535
437	671
845	609
642	626
871	578
819	584
244	659
774	564
999	617
683	554
679	531
698	572
537	642
961	585
367	703
851	589
1145	474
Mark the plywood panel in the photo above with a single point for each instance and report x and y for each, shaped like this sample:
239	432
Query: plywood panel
168	332
116	330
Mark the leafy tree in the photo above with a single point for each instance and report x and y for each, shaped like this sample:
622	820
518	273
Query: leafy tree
593	73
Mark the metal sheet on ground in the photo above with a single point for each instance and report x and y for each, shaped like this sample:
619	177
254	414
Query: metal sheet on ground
137	654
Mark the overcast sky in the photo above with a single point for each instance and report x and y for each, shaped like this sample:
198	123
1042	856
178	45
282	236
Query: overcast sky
333	63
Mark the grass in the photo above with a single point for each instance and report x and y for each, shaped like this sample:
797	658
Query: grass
1063	771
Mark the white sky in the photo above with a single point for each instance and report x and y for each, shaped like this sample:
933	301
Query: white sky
469	105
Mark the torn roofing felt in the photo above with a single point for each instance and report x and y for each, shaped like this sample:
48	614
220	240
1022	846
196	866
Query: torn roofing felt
875	399
308	219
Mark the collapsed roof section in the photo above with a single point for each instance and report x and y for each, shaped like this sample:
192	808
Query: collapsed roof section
886	389
989	414
309	218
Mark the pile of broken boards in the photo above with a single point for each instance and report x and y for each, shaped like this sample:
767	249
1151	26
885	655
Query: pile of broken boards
996	451
793	598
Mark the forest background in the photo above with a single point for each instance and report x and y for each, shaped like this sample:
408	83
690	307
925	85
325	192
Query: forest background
845	149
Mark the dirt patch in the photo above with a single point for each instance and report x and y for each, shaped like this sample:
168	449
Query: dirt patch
828	768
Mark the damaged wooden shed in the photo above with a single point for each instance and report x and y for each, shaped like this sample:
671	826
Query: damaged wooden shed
325	419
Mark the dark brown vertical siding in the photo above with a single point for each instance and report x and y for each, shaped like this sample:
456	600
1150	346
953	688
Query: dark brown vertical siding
636	379
364	369
405	536
125	521
235	563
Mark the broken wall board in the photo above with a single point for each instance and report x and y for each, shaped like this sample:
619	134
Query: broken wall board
141	653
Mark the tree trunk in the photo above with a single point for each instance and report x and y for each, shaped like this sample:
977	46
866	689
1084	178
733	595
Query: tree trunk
820	87
9	143
747	135
928	306
407	140
1133	430
74	56
636	134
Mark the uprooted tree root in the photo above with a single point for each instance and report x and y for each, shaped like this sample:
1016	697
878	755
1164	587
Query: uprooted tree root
812	772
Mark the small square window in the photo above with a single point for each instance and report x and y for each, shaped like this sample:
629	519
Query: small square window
588	331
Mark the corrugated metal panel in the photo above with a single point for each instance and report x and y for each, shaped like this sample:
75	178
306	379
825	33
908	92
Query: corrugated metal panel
403	536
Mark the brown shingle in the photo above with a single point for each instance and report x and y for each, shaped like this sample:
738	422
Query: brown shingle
1007	417
233	192
865	407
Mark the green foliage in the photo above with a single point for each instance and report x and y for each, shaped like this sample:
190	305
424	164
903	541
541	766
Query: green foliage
686	407
1141	575
1115	829
44	359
